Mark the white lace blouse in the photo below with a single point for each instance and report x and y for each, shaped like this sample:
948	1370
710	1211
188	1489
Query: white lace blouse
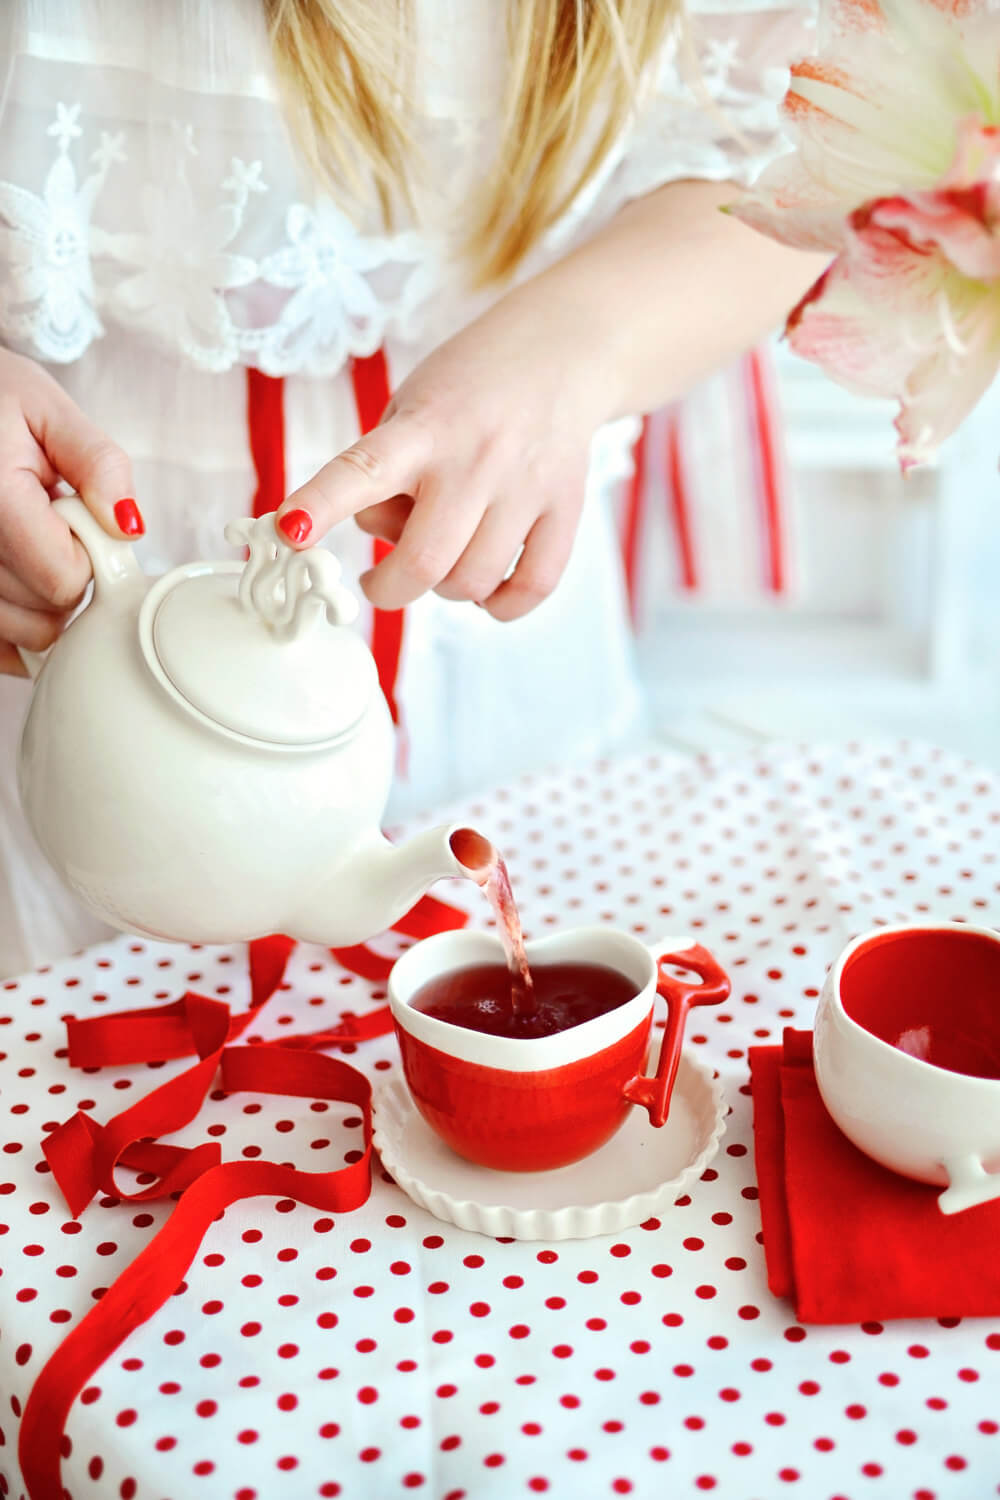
158	235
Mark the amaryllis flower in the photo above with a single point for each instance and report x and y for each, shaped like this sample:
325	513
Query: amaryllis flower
896	173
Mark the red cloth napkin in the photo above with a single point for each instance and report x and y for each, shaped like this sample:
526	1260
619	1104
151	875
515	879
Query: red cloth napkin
847	1240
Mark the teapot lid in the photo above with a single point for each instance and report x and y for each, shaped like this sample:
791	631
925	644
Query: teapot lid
261	651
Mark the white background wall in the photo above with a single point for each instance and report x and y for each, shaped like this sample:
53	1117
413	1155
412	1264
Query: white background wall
896	624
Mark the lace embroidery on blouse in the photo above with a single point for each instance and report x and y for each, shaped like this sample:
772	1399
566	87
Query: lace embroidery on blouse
173	272
213	262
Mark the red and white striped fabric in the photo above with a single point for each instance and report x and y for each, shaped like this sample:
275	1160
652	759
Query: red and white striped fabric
707	513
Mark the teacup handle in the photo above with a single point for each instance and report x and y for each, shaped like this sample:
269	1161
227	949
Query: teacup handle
969	1184
653	1094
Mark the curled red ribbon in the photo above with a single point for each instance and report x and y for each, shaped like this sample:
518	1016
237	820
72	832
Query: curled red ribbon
85	1155
144	1286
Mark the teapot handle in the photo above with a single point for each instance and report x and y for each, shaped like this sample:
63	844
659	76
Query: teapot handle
113	563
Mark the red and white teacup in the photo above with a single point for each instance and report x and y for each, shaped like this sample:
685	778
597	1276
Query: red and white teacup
520	1104
906	1046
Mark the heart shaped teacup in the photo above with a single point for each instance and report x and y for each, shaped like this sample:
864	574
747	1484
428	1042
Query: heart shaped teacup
529	1104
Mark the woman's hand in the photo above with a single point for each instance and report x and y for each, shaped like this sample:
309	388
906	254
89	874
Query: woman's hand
485	446
45	438
482	452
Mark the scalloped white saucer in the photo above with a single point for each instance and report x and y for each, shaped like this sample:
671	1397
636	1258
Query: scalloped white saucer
640	1172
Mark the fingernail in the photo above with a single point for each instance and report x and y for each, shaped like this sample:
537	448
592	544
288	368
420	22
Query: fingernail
296	525
129	517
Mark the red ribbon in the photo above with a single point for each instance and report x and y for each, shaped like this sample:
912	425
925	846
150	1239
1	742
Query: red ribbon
85	1155
144	1286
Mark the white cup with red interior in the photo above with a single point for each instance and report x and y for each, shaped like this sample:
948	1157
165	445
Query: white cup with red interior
906	1047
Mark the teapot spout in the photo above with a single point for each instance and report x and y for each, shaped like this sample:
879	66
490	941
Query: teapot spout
377	882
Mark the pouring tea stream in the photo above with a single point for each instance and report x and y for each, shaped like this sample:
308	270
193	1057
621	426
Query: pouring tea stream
207	756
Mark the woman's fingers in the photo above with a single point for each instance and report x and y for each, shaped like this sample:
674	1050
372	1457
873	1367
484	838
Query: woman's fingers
38	546
32	628
84	456
433	539
539	568
16	591
489	557
387	519
11	664
389	461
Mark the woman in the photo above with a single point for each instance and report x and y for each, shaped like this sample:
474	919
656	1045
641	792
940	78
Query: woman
516	203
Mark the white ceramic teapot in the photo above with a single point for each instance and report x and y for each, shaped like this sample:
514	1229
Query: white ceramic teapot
207	756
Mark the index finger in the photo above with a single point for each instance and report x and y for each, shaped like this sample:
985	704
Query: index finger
388	461
38	547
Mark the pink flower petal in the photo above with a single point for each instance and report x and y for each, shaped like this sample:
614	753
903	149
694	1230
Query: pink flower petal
942	389
883	321
836	328
958	222
790	206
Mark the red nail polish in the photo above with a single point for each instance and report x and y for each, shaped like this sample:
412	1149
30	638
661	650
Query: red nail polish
129	517
296	525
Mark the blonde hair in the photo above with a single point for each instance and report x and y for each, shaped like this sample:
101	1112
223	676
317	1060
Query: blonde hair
344	65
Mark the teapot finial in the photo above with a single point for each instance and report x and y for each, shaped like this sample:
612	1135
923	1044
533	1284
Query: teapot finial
289	590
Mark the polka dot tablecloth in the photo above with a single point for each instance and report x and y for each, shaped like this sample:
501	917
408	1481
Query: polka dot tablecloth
383	1353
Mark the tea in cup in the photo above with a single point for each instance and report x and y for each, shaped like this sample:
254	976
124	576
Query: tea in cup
538	1091
906	1047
